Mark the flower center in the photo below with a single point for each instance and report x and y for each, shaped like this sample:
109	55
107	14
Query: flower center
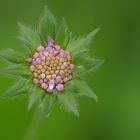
51	67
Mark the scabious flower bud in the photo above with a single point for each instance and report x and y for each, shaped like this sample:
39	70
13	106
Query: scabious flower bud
50	41
71	66
40	48
44	86
32	68
35	81
29	60
60	87
51	67
57	47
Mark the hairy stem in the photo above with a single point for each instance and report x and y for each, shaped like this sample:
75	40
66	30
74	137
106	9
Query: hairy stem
33	127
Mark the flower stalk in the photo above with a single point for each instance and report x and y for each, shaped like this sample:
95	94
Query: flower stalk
34	126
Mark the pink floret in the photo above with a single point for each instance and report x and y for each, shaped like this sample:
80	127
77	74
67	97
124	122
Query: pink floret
29	60
60	87
40	48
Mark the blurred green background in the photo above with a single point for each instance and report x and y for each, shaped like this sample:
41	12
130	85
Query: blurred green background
117	83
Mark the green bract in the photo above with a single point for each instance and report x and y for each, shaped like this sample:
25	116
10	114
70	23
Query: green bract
62	36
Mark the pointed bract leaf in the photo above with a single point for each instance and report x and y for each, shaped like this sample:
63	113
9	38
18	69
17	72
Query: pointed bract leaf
20	87
29	37
92	64
68	102
78	44
35	96
17	70
12	56
63	34
12	70
86	65
84	89
47	25
48	103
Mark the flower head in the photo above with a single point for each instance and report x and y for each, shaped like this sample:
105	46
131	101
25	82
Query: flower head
51	72
51	67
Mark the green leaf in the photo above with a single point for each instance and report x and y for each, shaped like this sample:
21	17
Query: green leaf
48	103
68	102
64	35
35	96
84	89
91	64
47	25
78	44
86	65
18	88
29	37
17	70
12	56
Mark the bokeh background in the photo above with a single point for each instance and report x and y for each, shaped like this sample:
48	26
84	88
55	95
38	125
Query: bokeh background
116	116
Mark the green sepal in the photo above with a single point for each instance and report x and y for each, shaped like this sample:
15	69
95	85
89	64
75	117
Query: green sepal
19	88
48	103
86	65
63	34
47	25
35	96
84	89
80	43
29	37
17	70
12	56
68	102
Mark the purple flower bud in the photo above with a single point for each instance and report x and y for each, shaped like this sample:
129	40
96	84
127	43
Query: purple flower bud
40	48
52	81
50	40
66	79
56	52
38	60
50	45
60	87
61	72
44	86
62	54
50	88
46	53
43	58
71	66
51	49
35	75
29	60
32	68
58	79
57	47
43	75
35	81
41	81
36	55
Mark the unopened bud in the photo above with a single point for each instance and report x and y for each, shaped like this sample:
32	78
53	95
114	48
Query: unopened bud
44	86
60	87
35	81
29	60
57	47
32	68
40	48
43	75
71	66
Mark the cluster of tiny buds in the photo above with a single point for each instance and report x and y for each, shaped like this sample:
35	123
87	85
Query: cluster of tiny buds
51	67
